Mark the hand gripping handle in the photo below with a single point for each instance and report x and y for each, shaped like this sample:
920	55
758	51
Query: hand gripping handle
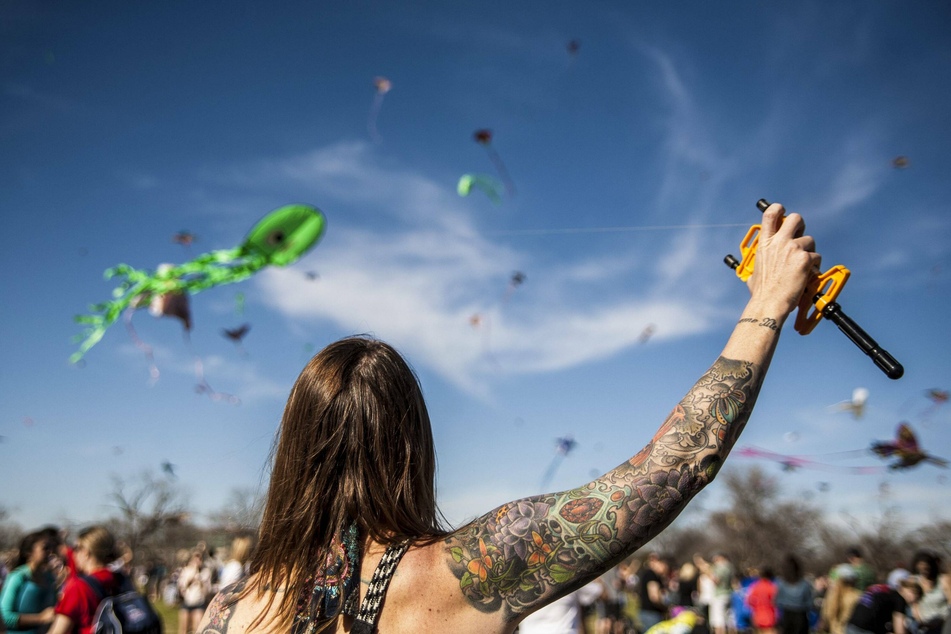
819	298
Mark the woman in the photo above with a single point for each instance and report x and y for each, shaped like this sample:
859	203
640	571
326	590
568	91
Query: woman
933	608
794	598
234	568
82	593
352	491
194	586
29	592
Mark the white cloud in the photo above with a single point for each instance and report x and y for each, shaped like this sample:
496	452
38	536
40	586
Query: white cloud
417	282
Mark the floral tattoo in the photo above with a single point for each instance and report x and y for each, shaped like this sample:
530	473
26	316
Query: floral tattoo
222	608
527	551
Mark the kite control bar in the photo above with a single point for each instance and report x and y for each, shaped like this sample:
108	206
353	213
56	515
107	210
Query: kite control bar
819	298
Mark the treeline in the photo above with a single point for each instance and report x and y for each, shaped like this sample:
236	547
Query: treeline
758	526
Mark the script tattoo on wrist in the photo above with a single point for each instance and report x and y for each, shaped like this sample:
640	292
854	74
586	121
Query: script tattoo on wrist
765	322
524	552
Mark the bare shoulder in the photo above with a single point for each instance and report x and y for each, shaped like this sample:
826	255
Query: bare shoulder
424	596
220	617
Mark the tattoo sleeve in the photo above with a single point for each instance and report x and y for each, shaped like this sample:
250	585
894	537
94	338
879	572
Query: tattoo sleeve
535	549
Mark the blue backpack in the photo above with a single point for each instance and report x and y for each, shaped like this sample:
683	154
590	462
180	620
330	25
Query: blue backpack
126	612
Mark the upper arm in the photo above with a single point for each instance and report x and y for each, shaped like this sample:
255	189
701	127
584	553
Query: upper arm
7	599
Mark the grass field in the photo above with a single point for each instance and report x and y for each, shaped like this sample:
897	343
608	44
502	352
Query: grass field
169	614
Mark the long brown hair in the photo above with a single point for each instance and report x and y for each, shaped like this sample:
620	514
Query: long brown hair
355	445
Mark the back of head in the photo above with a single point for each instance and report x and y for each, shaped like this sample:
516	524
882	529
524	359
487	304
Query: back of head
845	574
792	569
355	446
26	547
688	571
99	543
241	548
927	564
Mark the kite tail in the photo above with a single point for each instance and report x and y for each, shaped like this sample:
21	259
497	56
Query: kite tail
503	172
550	472
141	345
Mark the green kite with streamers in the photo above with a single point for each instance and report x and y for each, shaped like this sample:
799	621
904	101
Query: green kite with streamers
279	239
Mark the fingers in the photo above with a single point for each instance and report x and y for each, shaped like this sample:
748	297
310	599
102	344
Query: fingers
774	223
772	220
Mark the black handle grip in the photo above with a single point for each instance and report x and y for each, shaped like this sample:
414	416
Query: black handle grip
886	362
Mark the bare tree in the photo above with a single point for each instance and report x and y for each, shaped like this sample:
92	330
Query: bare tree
10	532
241	513
758	527
147	505
935	536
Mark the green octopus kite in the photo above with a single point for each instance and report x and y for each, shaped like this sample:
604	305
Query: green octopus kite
280	238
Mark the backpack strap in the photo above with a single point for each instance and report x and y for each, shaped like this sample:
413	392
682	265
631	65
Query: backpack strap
96	586
365	622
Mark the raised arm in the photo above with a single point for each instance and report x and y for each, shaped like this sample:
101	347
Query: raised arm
526	553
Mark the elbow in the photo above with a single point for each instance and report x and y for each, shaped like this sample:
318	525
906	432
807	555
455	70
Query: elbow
708	470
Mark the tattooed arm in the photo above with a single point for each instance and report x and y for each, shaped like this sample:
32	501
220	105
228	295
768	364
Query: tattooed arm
525	554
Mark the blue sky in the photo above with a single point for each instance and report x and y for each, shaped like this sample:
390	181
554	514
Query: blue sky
636	163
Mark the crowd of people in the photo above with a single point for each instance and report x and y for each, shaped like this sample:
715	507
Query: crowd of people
54	585
45	587
654	595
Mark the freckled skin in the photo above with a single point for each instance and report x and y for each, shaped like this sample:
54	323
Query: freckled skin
526	552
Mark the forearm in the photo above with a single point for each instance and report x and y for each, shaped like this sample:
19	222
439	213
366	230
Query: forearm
29	620
688	449
61	625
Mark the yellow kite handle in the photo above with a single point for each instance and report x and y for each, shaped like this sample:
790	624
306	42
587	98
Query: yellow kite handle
820	291
818	301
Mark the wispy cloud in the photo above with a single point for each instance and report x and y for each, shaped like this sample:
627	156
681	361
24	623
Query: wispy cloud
418	278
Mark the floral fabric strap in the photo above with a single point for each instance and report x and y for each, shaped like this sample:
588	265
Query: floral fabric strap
365	622
333	589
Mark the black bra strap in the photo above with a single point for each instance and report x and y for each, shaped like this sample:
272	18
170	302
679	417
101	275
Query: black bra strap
370	608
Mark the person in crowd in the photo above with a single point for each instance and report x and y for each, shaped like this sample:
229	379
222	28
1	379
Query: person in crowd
82	593
722	573
840	600
881	609
863	572
235	568
609	605
685	594
565	615
896	574
761	599
194	586
794	598
740	616
652	591
706	589
352	493
933	608
29	591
